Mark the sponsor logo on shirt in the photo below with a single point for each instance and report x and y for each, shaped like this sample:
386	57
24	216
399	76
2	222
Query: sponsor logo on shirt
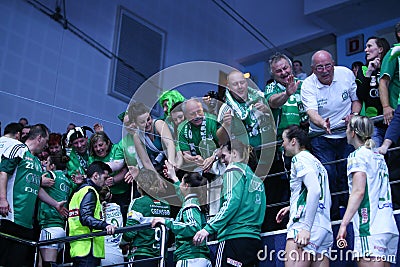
364	215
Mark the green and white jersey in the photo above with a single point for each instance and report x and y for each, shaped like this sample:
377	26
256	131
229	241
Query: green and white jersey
116	154
242	205
5	143
375	214
292	112
305	164
143	210
24	176
199	140
188	222
48	216
390	67
112	215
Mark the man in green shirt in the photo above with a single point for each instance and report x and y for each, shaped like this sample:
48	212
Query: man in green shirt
20	179
197	136
283	96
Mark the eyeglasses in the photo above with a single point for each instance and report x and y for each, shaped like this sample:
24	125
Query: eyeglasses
321	68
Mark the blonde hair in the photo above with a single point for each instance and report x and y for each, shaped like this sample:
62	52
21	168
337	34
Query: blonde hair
364	128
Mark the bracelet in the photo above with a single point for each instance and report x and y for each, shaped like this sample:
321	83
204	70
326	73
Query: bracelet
355	113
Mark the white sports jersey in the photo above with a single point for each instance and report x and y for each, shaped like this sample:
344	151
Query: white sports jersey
5	143
375	214
304	163
331	101
113	215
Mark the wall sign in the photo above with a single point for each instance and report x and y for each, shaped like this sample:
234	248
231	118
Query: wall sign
355	44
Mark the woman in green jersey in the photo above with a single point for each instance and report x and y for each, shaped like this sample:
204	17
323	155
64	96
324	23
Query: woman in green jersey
189	220
102	149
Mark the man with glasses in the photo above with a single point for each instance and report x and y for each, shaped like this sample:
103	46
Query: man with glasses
329	97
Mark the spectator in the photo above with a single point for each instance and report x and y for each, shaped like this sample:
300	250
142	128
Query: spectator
197	136
177	117
356	66
85	217
23	121
102	149
298	70
283	96
238	222
70	127
143	210
389	94
24	133
20	173
79	152
329	97
370	204
309	228
190	219
245	115
389	82
52	224
166	100
153	139
367	83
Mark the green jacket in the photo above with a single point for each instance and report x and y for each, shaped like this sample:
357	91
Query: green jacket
189	220
242	205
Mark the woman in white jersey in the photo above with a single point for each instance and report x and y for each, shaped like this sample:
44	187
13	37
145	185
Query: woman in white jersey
309	235
370	202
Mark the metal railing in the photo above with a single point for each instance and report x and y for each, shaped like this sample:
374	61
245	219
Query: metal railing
161	238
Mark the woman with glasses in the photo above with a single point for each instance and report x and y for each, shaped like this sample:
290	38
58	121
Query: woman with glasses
370	202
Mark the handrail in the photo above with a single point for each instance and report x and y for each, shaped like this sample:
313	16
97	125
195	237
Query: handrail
138	227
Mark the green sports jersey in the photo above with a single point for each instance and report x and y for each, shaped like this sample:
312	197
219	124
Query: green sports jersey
77	163
143	210
390	68
48	216
292	112
242	205
24	176
115	154
189	220
201	140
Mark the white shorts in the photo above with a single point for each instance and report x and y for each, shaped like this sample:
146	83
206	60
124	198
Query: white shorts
196	262
321	240
52	233
382	246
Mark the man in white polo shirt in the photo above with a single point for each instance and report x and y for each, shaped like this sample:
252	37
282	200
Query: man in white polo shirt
329	97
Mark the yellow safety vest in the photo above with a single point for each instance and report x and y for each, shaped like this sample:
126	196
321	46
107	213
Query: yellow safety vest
81	247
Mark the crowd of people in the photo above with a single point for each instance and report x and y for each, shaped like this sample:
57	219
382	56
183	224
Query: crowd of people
162	168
